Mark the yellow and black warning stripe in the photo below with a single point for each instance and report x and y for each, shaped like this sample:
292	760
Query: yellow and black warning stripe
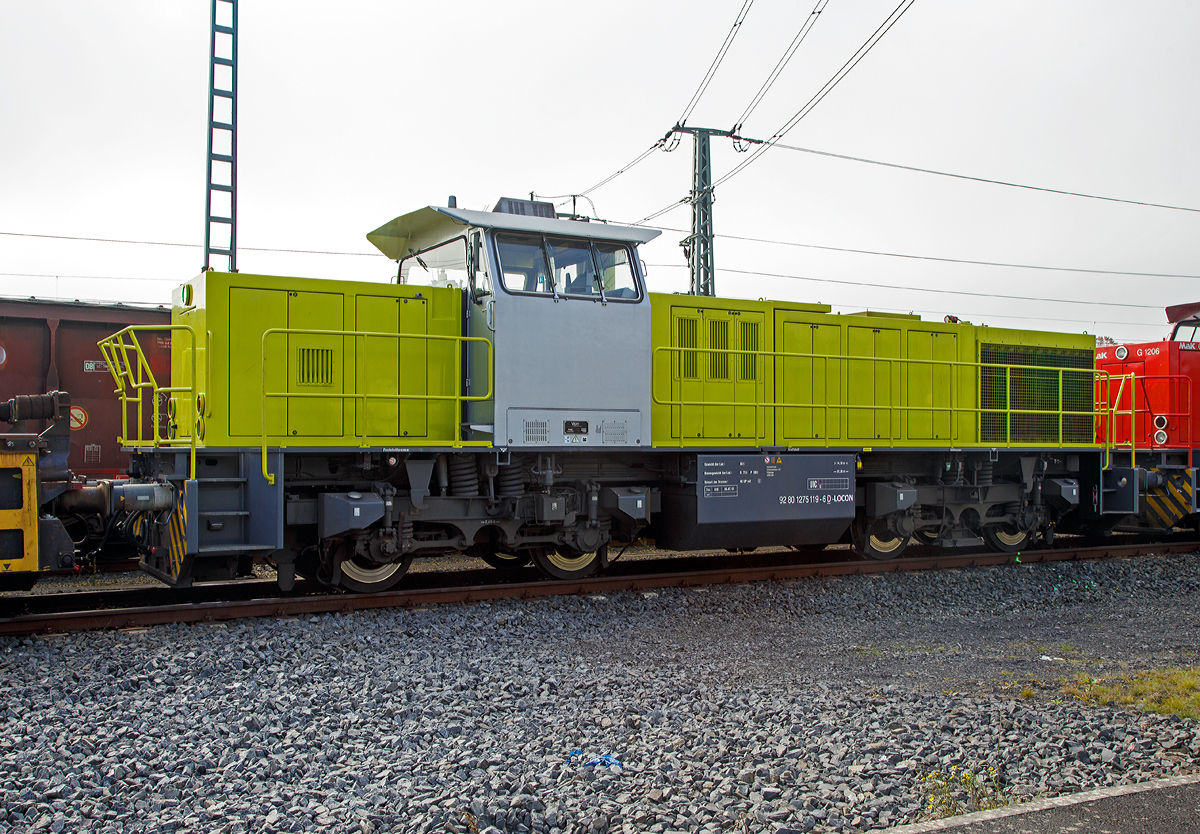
178	533
1164	506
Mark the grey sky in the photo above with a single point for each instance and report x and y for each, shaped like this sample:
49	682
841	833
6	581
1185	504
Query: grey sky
350	114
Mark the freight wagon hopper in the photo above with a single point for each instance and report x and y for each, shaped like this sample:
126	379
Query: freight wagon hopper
48	346
517	394
61	445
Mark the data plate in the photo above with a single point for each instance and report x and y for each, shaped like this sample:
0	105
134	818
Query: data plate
748	487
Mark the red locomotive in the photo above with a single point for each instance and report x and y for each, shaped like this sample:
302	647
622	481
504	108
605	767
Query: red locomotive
1160	394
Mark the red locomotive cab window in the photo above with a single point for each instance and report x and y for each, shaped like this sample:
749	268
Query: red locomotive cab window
1186	331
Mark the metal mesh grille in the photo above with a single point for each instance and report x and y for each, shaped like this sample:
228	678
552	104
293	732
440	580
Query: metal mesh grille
614	432
537	431
1035	389
718	340
314	366
687	339
747	340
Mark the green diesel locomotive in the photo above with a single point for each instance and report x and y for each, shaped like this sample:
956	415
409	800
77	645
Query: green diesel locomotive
518	394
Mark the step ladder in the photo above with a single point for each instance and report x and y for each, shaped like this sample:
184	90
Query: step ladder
212	528
220	228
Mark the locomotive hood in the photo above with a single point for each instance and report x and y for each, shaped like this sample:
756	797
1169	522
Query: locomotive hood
423	228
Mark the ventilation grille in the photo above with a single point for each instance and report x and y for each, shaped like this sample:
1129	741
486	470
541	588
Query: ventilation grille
537	431
718	342
314	366
687	339
615	432
1035	389
748	339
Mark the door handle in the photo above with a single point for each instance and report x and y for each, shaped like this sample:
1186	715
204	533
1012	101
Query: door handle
490	314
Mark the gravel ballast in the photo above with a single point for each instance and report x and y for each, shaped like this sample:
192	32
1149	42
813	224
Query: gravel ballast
816	704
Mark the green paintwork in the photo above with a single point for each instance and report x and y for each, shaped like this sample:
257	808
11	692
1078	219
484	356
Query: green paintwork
865	380
235	309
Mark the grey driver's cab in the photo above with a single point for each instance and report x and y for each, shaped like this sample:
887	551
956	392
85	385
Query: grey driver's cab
565	305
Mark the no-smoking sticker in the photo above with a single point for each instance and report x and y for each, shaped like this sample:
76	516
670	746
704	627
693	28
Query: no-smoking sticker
79	417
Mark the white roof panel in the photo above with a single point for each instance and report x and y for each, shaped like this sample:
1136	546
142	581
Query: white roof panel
429	226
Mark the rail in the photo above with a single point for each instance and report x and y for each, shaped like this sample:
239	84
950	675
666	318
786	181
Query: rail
131	371
361	397
1102	414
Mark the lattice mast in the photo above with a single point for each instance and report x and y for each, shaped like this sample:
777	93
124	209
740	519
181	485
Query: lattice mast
220	201
698	246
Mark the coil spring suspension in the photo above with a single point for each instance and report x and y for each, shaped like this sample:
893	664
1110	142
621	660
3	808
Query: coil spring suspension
464	476
984	476
510	483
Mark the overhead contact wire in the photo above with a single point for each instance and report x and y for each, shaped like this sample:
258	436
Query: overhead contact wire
712	70
624	168
809	22
827	88
936	258
985	180
691	105
829	85
926	289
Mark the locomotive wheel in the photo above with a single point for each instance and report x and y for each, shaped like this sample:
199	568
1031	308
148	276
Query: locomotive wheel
876	541
925	537
567	564
1006	538
503	561
364	577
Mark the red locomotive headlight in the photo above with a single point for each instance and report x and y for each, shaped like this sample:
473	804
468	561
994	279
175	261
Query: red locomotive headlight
1122	352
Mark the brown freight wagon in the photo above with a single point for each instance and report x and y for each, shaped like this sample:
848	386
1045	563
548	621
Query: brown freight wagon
51	346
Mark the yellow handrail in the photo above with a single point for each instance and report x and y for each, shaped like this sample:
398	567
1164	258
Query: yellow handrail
1098	410
140	378
361	398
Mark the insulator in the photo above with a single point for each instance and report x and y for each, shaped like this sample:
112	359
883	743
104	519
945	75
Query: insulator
510	483
464	476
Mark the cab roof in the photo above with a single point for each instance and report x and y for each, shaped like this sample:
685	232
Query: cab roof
420	229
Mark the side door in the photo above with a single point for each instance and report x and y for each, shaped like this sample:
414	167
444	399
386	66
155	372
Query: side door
808	380
572	333
873	382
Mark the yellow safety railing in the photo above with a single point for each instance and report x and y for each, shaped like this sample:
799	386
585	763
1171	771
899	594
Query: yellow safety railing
131	371
1102	414
361	397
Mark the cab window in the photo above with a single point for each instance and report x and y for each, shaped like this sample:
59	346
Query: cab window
482	270
566	268
616	274
444	265
574	271
523	264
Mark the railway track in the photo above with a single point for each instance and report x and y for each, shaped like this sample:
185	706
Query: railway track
148	606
